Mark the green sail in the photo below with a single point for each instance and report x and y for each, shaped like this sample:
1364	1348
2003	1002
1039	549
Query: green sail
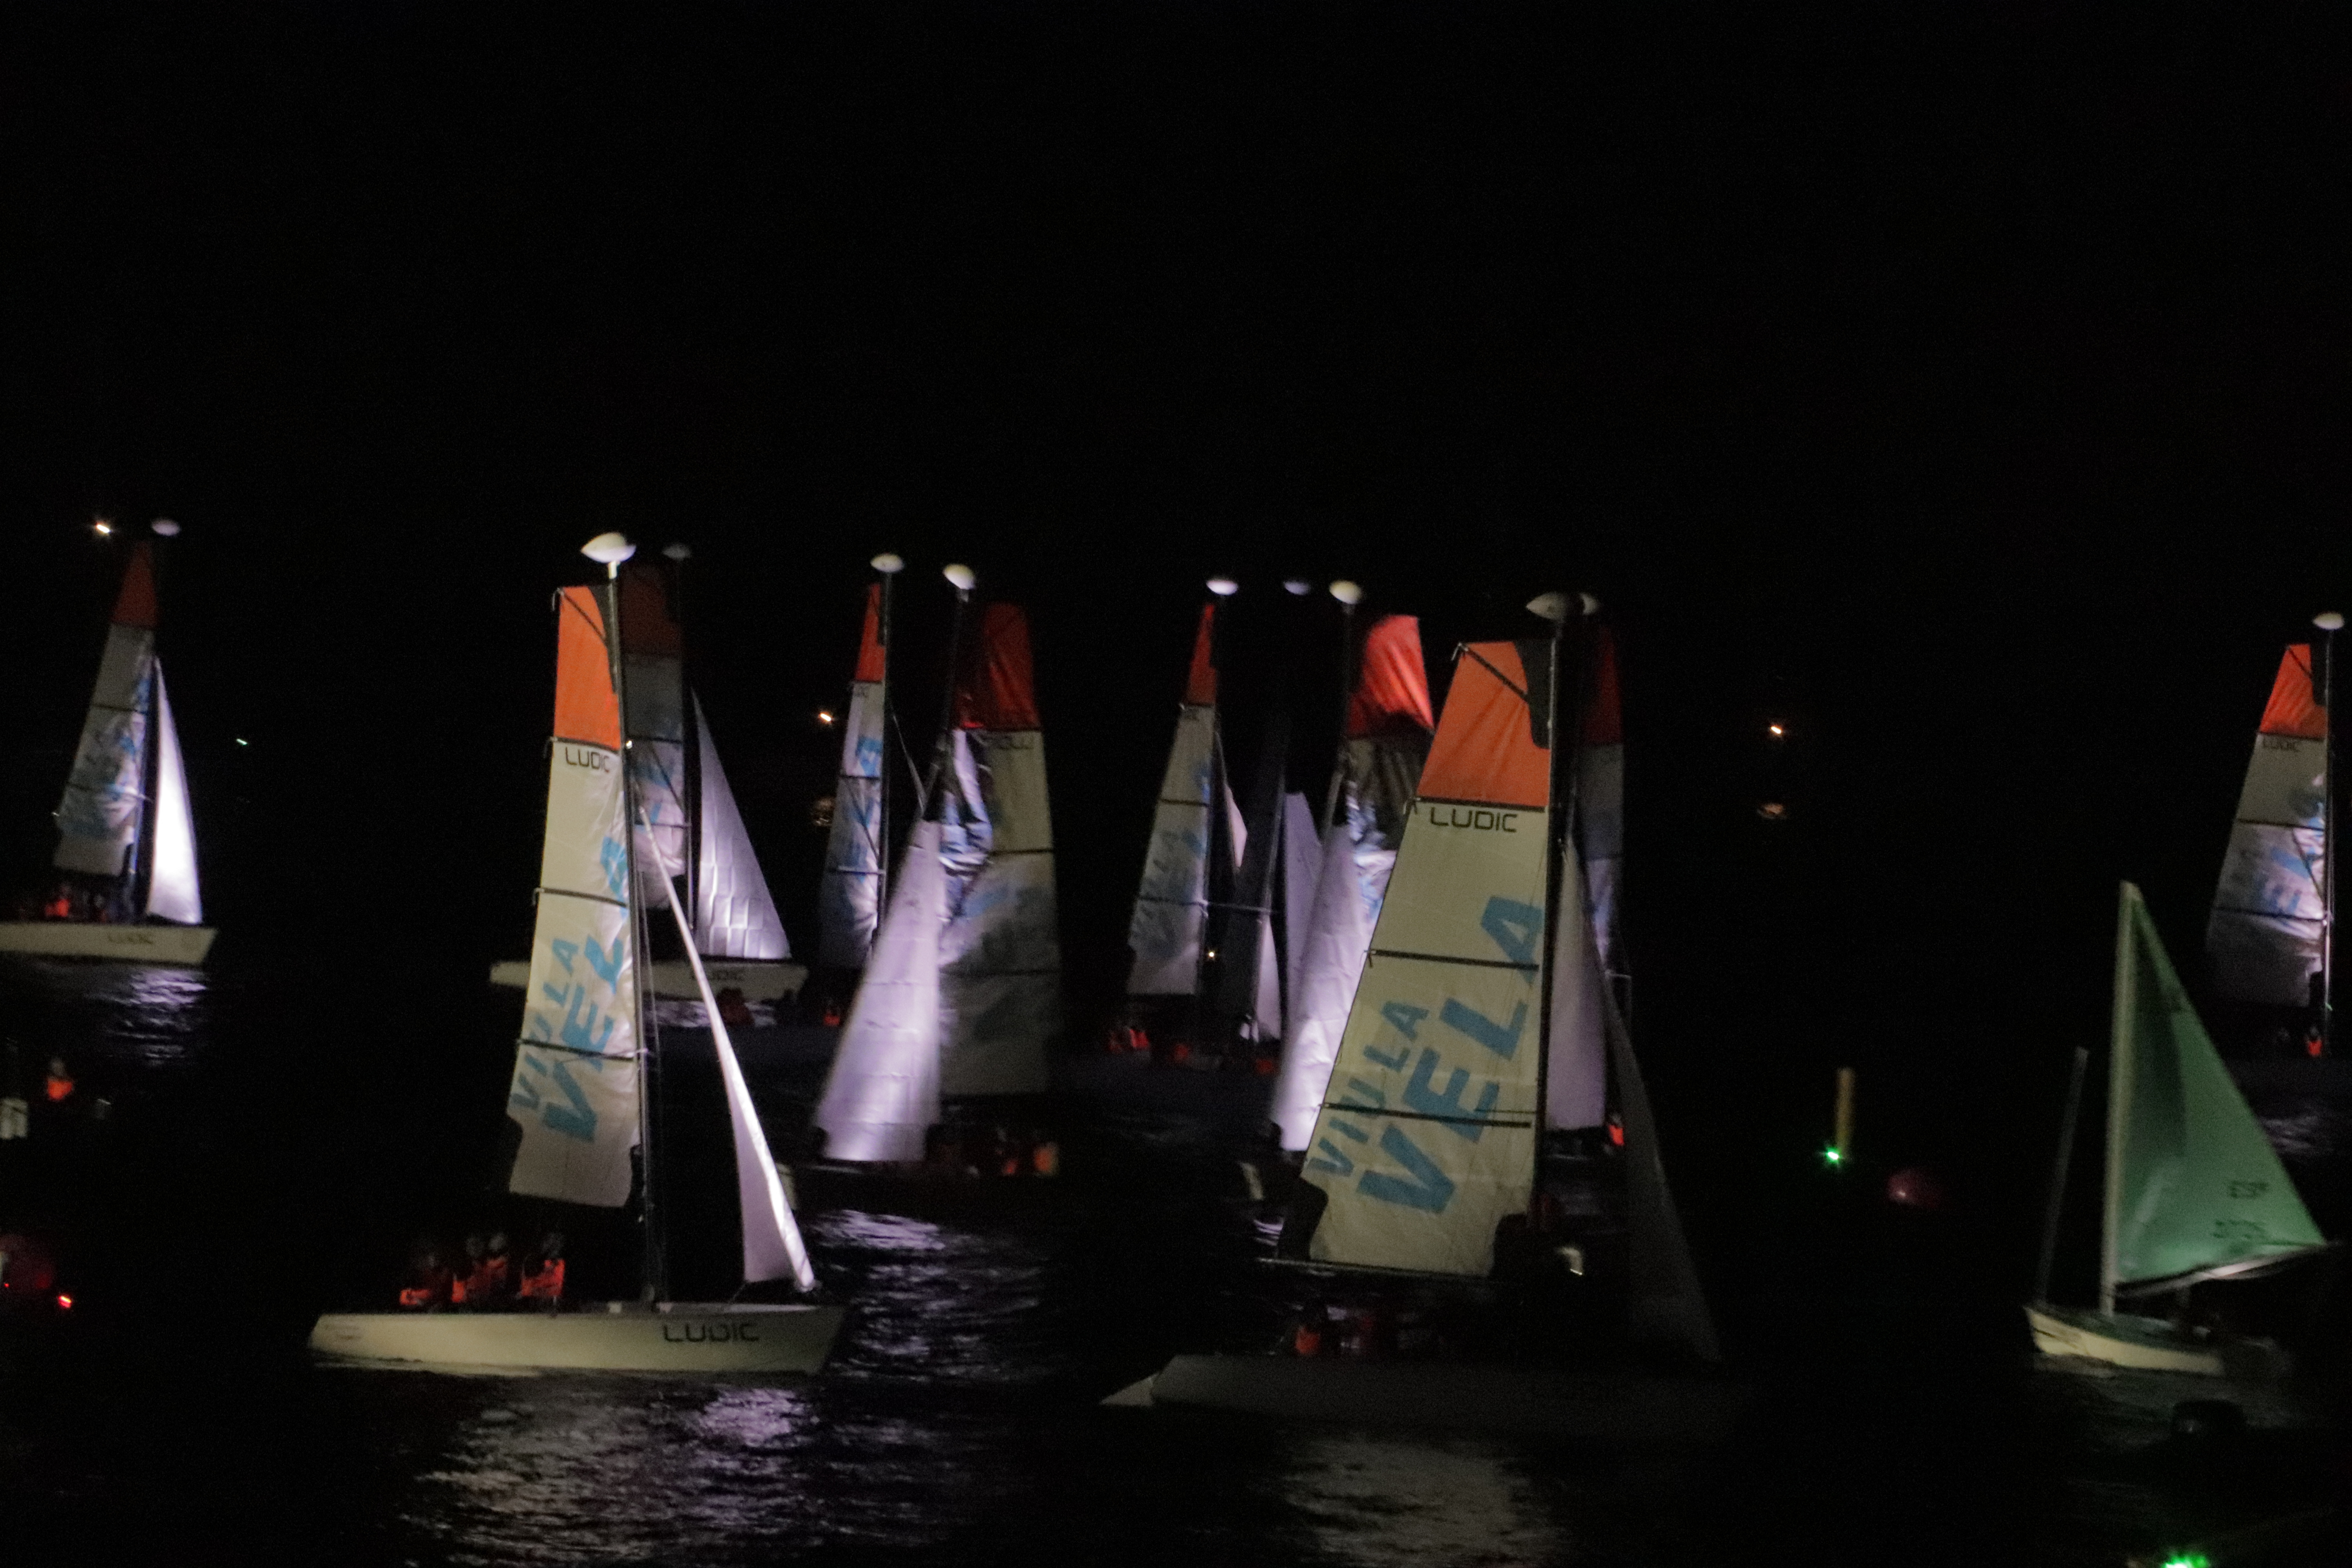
2193	1184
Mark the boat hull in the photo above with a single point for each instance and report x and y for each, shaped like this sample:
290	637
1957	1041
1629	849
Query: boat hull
1616	1408
183	945
674	977
687	1338
2145	1344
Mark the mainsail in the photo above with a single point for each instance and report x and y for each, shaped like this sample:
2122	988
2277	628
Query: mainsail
100	813
734	915
1389	724
2194	1187
850	900
2270	910
883	1092
1001	951
653	685
1172	903
1427	1134
574	1093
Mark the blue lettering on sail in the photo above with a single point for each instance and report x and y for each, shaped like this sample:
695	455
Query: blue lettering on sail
1362	1096
868	760
1515	928
607	965
615	861
1418	1096
580	1024
1503	1040
1338	1162
573	1119
565	952
1406	1019
1429	1190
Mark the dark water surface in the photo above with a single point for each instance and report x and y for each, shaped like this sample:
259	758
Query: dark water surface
1896	1417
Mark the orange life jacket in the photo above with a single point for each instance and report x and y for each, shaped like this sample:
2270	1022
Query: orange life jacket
544	1283
60	1089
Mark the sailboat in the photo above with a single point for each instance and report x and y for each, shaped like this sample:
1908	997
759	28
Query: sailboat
850	902
1425	1146
2194	1190
126	832
1382	746
2266	940
692	821
579	1096
962	992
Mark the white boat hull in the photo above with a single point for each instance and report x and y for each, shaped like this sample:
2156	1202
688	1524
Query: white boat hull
2145	1344
123	943
1615	1408
758	981
686	1339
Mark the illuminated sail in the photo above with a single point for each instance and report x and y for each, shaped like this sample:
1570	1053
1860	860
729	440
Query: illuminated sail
1427	1136
2270	910
99	816
171	891
883	1092
1172	903
1600	797
734	915
850	899
1001	951
1389	723
1576	1082
2193	1185
575	1093
1665	1304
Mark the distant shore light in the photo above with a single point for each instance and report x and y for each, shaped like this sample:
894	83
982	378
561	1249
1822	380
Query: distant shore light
1775	730
825	715
102	527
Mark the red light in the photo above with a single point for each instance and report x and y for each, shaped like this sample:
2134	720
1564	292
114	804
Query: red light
65	1303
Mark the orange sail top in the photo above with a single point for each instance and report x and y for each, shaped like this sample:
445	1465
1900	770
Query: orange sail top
997	691
1200	684
1485	748
1392	694
2291	709
647	625
586	706
1604	713
135	606
870	665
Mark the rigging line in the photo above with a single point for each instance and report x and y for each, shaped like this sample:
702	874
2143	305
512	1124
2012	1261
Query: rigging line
1508	683
1449	958
1425	1116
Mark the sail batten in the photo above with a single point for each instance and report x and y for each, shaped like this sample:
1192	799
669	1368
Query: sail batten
575	1089
850	898
2269	915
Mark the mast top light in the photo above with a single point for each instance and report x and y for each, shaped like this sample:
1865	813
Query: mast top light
1347	593
608	550
1223	587
1552	608
2329	621
679	552
886	563
1297	587
961	575
170	530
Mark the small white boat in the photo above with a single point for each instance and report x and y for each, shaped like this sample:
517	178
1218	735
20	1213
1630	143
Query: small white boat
124	823
690	817
576	1095
2194	1190
684	1337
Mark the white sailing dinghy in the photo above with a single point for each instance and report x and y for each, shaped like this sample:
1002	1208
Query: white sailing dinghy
682	788
962	989
577	1093
1381	748
849	901
124	822
1427	1139
2194	1190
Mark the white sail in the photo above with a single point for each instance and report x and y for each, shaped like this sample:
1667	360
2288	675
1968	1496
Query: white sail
1665	1304
171	891
849	901
654	687
1302	863
1601	799
1171	904
575	1093
98	817
734	916
773	1247
1426	1139
1576	1075
1339	929
883	1093
2270	909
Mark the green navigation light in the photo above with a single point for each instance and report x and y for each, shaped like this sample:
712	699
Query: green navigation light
1833	1157
2188	1559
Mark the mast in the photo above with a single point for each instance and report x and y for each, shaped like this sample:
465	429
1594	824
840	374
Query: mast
608	550
142	847
2329	623
1558	838
1350	595
2119	1089
888	565
961	578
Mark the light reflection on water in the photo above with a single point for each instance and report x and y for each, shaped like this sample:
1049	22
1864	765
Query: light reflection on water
1386	1502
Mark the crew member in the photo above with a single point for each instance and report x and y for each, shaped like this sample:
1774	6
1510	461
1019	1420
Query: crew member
491	1281
428	1282
61	1083
544	1282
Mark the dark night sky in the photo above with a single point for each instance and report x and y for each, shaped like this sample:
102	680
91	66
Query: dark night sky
1963	385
